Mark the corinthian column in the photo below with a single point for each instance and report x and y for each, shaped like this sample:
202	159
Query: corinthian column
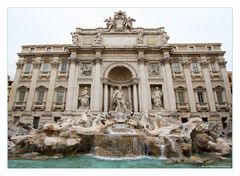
129	95
169	82
144	98
135	98
52	84
13	92
226	83
190	92
208	83
35	74
105	98
96	97
71	81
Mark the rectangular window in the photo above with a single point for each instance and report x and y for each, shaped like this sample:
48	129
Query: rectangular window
46	67
194	67
191	48
40	96
200	97
65	49
28	68
209	48
21	96
213	66
32	49
64	67
181	97
176	67
49	49
60	96
219	96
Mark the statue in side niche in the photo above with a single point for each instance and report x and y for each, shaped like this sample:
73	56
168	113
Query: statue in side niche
84	98
157	98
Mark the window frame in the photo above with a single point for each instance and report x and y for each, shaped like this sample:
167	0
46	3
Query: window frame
176	67
62	93
38	95
194	67
28	68
46	69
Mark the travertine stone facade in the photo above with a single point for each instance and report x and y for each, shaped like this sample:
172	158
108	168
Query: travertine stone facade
55	81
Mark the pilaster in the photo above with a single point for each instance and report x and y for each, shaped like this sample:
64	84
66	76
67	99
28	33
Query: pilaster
54	68
97	86
222	66
13	92
35	75
71	81
190	92
169	81
144	93
205	68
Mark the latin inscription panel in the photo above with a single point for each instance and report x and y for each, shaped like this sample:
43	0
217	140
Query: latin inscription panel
119	41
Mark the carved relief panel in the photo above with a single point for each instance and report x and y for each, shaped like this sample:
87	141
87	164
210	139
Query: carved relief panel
154	70
85	69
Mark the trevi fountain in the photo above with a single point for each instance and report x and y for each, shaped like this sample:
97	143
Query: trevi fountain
120	108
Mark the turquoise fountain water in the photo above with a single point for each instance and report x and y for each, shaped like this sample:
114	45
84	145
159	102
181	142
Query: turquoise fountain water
91	161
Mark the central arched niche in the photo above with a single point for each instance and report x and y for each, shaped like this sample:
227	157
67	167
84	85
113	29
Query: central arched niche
120	74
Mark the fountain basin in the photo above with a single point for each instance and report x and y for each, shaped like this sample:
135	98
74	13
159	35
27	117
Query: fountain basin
120	145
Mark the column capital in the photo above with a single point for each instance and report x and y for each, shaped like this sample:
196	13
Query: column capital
204	64
186	64
166	60
37	65
54	64
105	81
19	65
97	60
142	60
135	81
222	64
72	60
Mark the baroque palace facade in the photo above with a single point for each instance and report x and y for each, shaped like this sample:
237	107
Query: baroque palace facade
63	81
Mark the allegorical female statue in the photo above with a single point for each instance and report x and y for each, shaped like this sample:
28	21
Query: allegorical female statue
157	98
84	98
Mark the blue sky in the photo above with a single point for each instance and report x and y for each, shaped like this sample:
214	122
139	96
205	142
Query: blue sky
54	25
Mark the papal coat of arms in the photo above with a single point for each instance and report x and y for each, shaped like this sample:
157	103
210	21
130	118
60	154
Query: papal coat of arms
120	22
